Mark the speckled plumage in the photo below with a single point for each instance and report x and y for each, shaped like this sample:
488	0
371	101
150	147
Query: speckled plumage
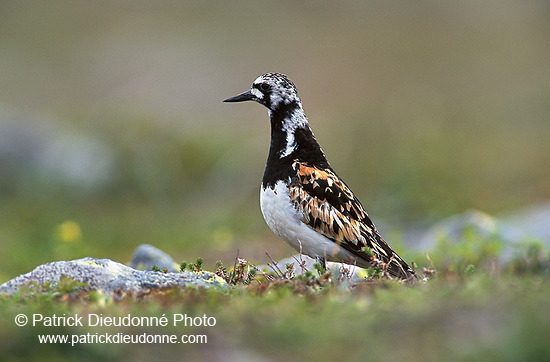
302	199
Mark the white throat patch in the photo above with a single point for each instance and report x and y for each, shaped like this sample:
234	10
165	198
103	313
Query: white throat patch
296	120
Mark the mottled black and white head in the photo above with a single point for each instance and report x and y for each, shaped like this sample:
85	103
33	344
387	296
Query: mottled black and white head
279	95
273	90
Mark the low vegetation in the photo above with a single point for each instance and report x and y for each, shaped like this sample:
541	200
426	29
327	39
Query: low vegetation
471	306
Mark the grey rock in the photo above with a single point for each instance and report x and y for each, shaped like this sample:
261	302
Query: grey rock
147	255
532	221
108	276
35	146
454	229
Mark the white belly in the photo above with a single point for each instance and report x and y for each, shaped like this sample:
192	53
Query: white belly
284	220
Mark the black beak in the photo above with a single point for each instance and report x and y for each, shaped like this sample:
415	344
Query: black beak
246	96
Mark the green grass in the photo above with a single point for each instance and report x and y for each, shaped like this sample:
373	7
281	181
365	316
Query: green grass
471	309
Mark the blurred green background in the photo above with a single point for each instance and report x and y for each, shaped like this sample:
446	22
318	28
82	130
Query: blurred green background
113	133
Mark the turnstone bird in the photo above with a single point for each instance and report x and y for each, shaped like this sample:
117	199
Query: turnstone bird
302	199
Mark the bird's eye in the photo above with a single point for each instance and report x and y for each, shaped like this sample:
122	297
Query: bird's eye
265	86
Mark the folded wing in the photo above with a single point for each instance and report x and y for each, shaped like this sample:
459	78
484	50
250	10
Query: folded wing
328	206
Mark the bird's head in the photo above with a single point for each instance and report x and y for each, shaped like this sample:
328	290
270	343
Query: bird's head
273	90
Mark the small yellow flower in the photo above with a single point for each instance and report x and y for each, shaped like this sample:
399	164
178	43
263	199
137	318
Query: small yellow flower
362	273
68	232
